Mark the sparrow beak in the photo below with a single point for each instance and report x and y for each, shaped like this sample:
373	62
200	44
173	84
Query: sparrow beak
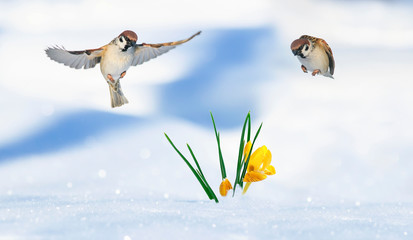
130	43
295	52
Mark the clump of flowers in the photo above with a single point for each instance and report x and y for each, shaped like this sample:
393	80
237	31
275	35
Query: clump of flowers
259	165
251	167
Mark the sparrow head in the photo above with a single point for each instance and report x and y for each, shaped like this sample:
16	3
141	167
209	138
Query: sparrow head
126	40
301	47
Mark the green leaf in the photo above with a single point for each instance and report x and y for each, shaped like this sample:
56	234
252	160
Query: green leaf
244	171
197	173
221	159
249	129
195	160
240	153
208	188
258	132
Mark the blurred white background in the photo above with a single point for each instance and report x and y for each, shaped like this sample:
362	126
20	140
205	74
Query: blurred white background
347	139
67	157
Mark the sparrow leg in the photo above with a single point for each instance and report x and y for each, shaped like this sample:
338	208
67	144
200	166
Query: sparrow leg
304	68
123	74
111	78
317	71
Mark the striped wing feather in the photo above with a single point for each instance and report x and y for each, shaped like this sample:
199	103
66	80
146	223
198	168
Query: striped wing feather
146	51
75	59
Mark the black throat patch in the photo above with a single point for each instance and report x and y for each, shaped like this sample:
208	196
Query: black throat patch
125	48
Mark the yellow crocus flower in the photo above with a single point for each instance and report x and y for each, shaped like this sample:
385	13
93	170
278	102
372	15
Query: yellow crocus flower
224	187
259	165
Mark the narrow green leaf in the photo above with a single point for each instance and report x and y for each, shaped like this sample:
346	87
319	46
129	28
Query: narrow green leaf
211	192
208	188
240	153
249	129
248	159
221	159
244	167
204	185
199	173
195	160
258	132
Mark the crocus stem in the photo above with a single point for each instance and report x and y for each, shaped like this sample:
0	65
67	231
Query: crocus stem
247	185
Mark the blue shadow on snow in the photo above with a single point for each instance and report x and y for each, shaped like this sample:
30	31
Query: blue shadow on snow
66	131
223	83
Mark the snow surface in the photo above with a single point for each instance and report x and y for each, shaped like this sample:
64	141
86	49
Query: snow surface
72	168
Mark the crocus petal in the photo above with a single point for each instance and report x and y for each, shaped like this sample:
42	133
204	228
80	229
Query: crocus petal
224	187
247	149
257	158
270	170
254	176
266	161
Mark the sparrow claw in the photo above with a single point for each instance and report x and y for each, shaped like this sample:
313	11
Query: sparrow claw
317	71
304	68
111	78
123	74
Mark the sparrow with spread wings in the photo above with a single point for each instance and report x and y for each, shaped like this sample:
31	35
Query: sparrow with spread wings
315	55
115	59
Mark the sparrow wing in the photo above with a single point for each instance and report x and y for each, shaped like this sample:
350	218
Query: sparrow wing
331	62
75	59
146	51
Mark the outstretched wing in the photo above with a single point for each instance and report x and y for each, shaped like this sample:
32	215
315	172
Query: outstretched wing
331	61
75	59
146	51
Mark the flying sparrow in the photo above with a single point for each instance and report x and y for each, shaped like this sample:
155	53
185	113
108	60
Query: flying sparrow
115	59
315	55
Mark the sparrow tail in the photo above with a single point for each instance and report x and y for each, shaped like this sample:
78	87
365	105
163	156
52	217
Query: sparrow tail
116	96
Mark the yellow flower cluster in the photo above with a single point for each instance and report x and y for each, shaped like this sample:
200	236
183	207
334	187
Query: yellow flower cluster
258	168
251	167
259	165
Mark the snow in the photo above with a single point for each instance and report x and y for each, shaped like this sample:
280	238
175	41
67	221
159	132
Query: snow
141	218
72	168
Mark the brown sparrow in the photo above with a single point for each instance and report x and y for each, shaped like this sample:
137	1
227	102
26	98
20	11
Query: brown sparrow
315	55
115	58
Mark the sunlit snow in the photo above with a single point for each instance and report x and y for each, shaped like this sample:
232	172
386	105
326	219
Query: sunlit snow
73	168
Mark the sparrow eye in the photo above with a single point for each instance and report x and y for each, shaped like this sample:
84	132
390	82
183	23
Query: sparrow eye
121	39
